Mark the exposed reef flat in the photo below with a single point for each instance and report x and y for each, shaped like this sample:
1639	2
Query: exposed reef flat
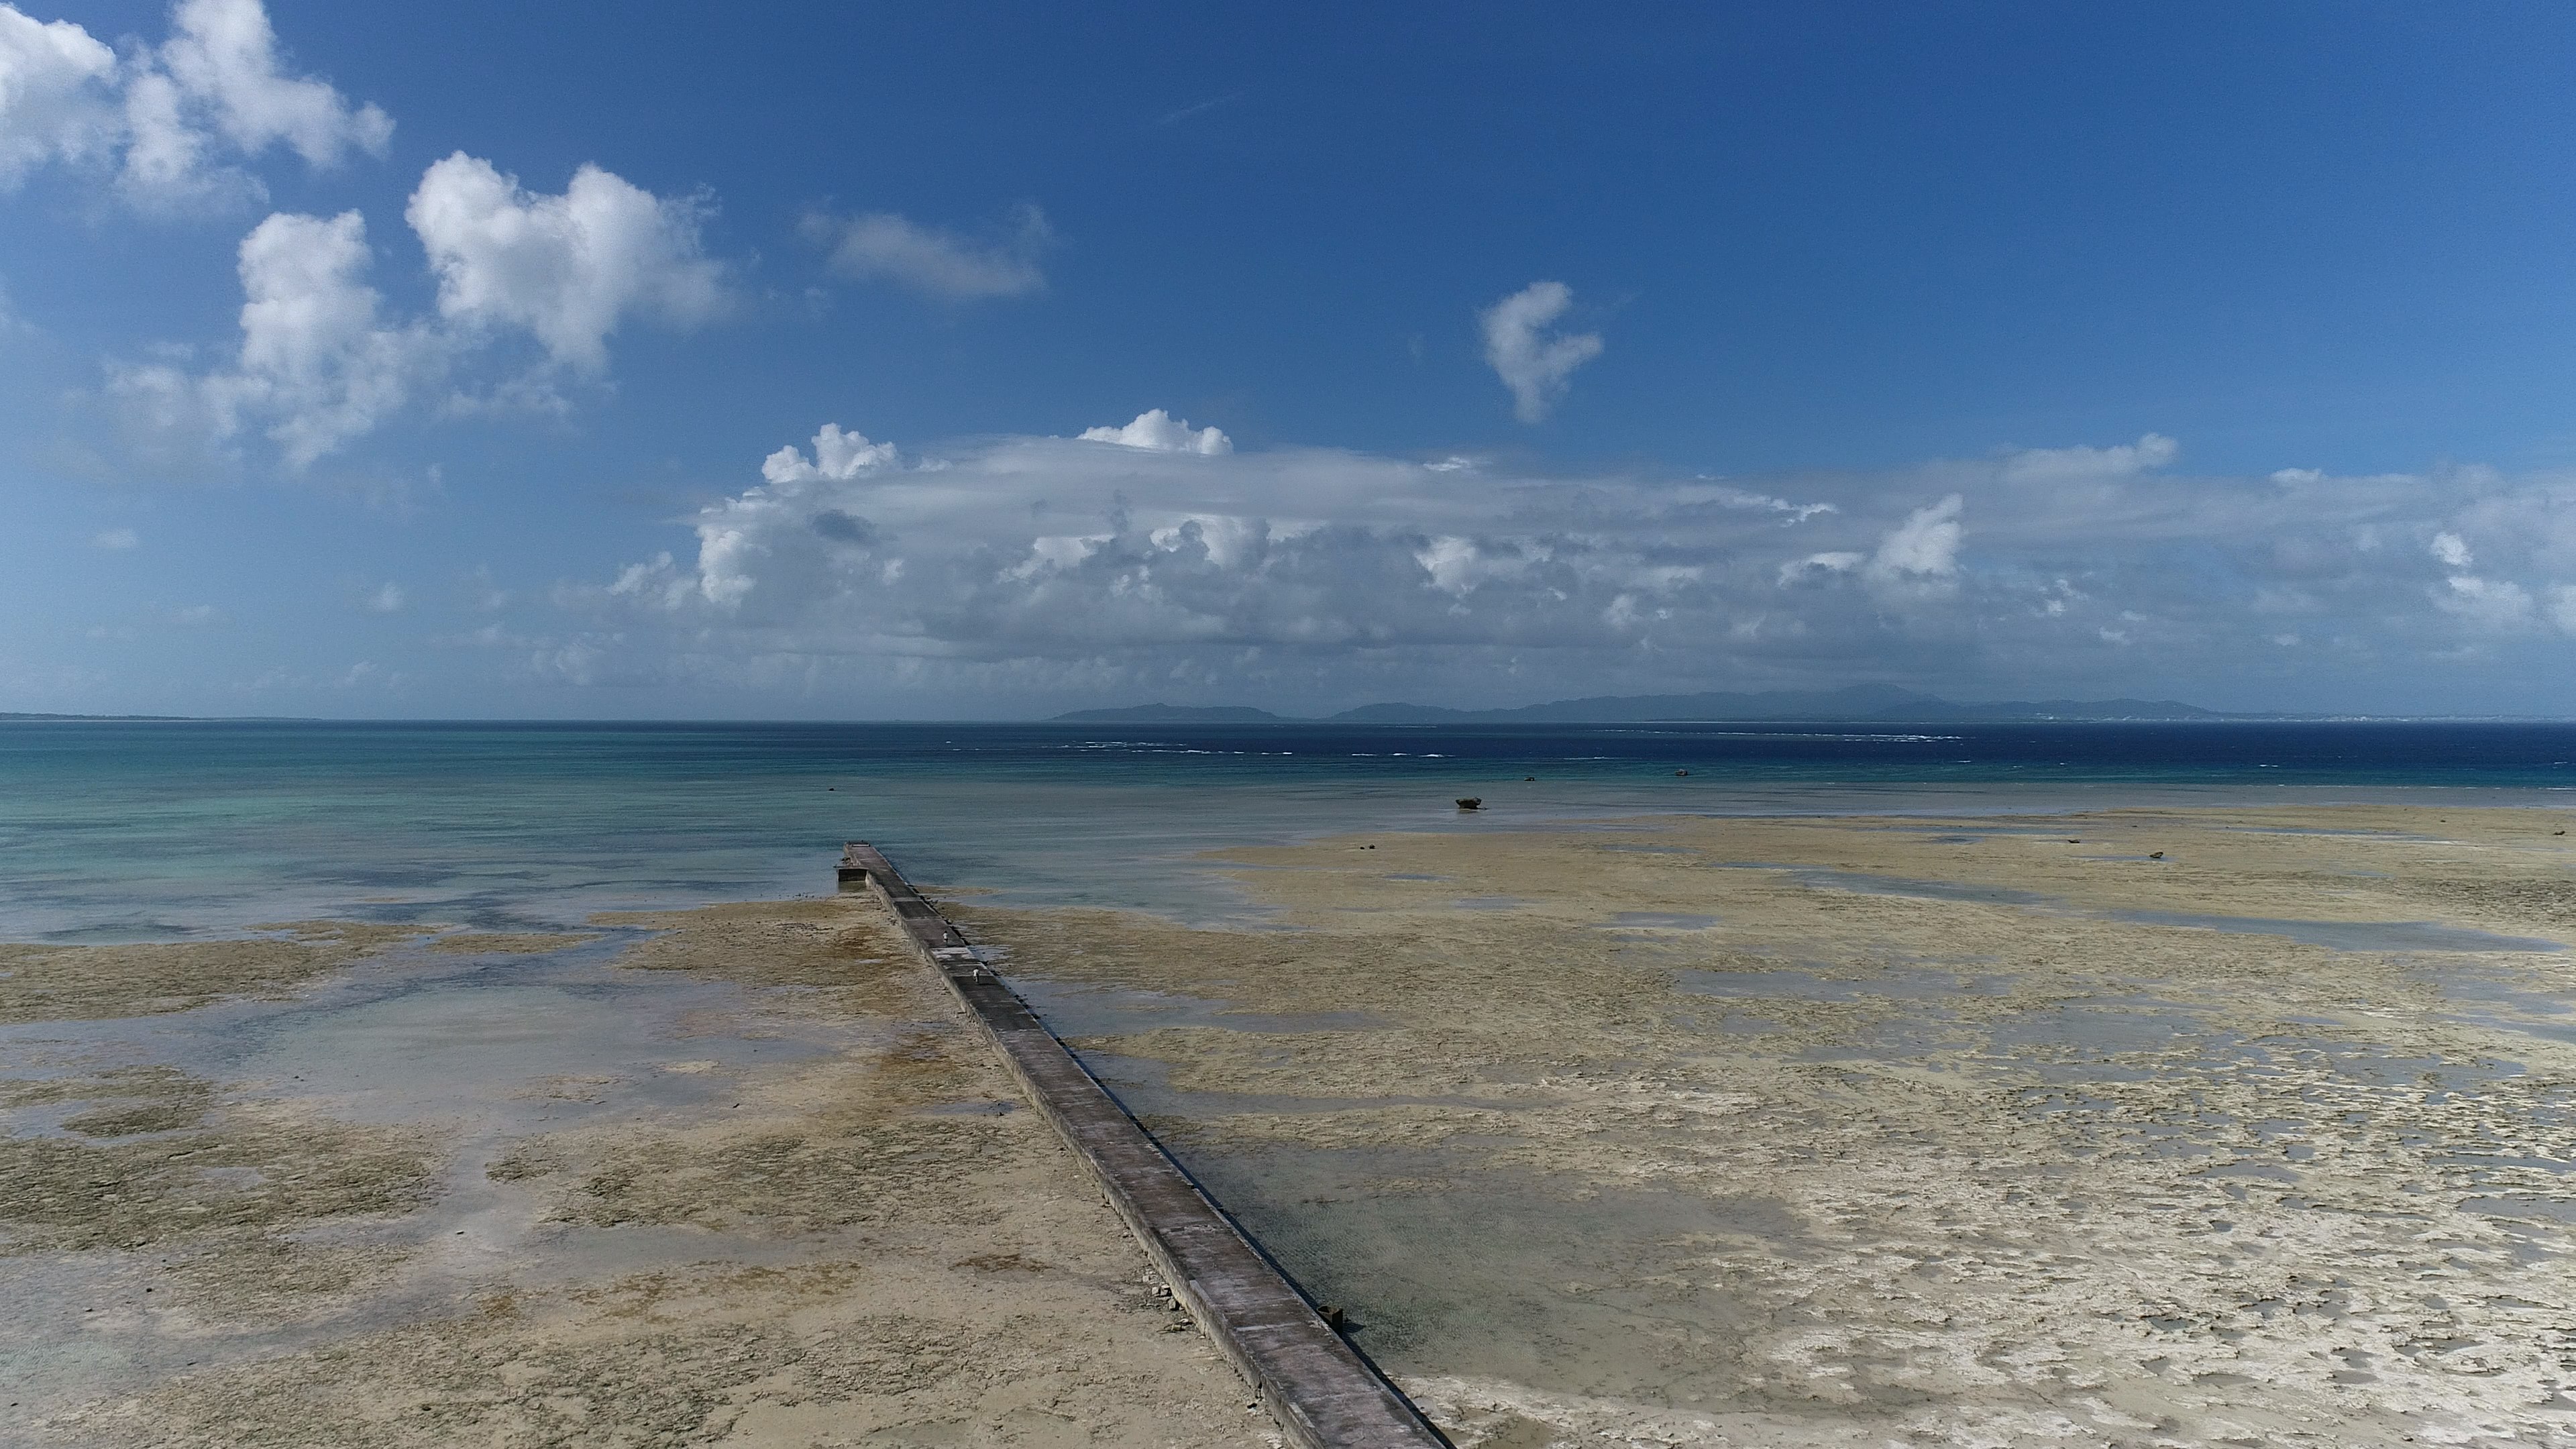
88	983
738	1176
2149	1127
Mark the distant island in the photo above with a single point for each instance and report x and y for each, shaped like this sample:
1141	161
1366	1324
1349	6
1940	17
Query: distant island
1860	703
11	714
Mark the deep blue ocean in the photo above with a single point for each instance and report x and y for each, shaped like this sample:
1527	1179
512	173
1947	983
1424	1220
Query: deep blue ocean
137	831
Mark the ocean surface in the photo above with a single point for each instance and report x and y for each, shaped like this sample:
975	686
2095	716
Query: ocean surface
116	831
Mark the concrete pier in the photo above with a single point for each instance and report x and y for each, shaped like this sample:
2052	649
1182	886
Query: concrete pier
1324	1392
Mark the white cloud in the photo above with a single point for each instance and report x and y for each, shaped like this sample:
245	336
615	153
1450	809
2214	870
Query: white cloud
1532	359
219	79
836	455
2154	450
1160	432
2451	550
116	538
2491	603
2562	607
317	362
483	594
1924	547
321	365
1817	565
568	268
56	99
176	118
389	598
881	246
2289	477
1460	566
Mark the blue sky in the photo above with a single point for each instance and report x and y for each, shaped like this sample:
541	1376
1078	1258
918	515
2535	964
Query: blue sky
2218	352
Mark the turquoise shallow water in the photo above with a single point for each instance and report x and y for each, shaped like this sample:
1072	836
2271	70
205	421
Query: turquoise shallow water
125	831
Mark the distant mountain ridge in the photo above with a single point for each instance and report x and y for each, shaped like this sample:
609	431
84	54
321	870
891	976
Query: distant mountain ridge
1859	703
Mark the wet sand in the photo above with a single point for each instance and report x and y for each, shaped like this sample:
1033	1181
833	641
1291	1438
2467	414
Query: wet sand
2149	1127
737	1176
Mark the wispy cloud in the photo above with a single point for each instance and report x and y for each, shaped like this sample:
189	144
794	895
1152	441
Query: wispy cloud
882	246
1533	359
1174	118
2081	464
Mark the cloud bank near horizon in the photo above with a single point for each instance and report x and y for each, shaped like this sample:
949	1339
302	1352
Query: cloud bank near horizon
1065	567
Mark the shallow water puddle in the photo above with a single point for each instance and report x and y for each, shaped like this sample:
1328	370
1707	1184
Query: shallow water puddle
2387	936
481	1050
1656	920
416	1036
1784	984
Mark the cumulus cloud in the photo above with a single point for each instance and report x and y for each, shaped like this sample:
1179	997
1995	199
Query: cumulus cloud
837	455
1533	359
219	84
56	94
174	121
2451	550
1158	431
882	246
568	268
318	364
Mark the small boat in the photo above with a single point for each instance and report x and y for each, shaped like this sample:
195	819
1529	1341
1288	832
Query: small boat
1471	802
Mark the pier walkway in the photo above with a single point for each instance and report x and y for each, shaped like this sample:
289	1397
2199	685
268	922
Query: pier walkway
1323	1391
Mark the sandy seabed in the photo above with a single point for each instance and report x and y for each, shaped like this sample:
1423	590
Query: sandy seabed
2149	1127
2144	1127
